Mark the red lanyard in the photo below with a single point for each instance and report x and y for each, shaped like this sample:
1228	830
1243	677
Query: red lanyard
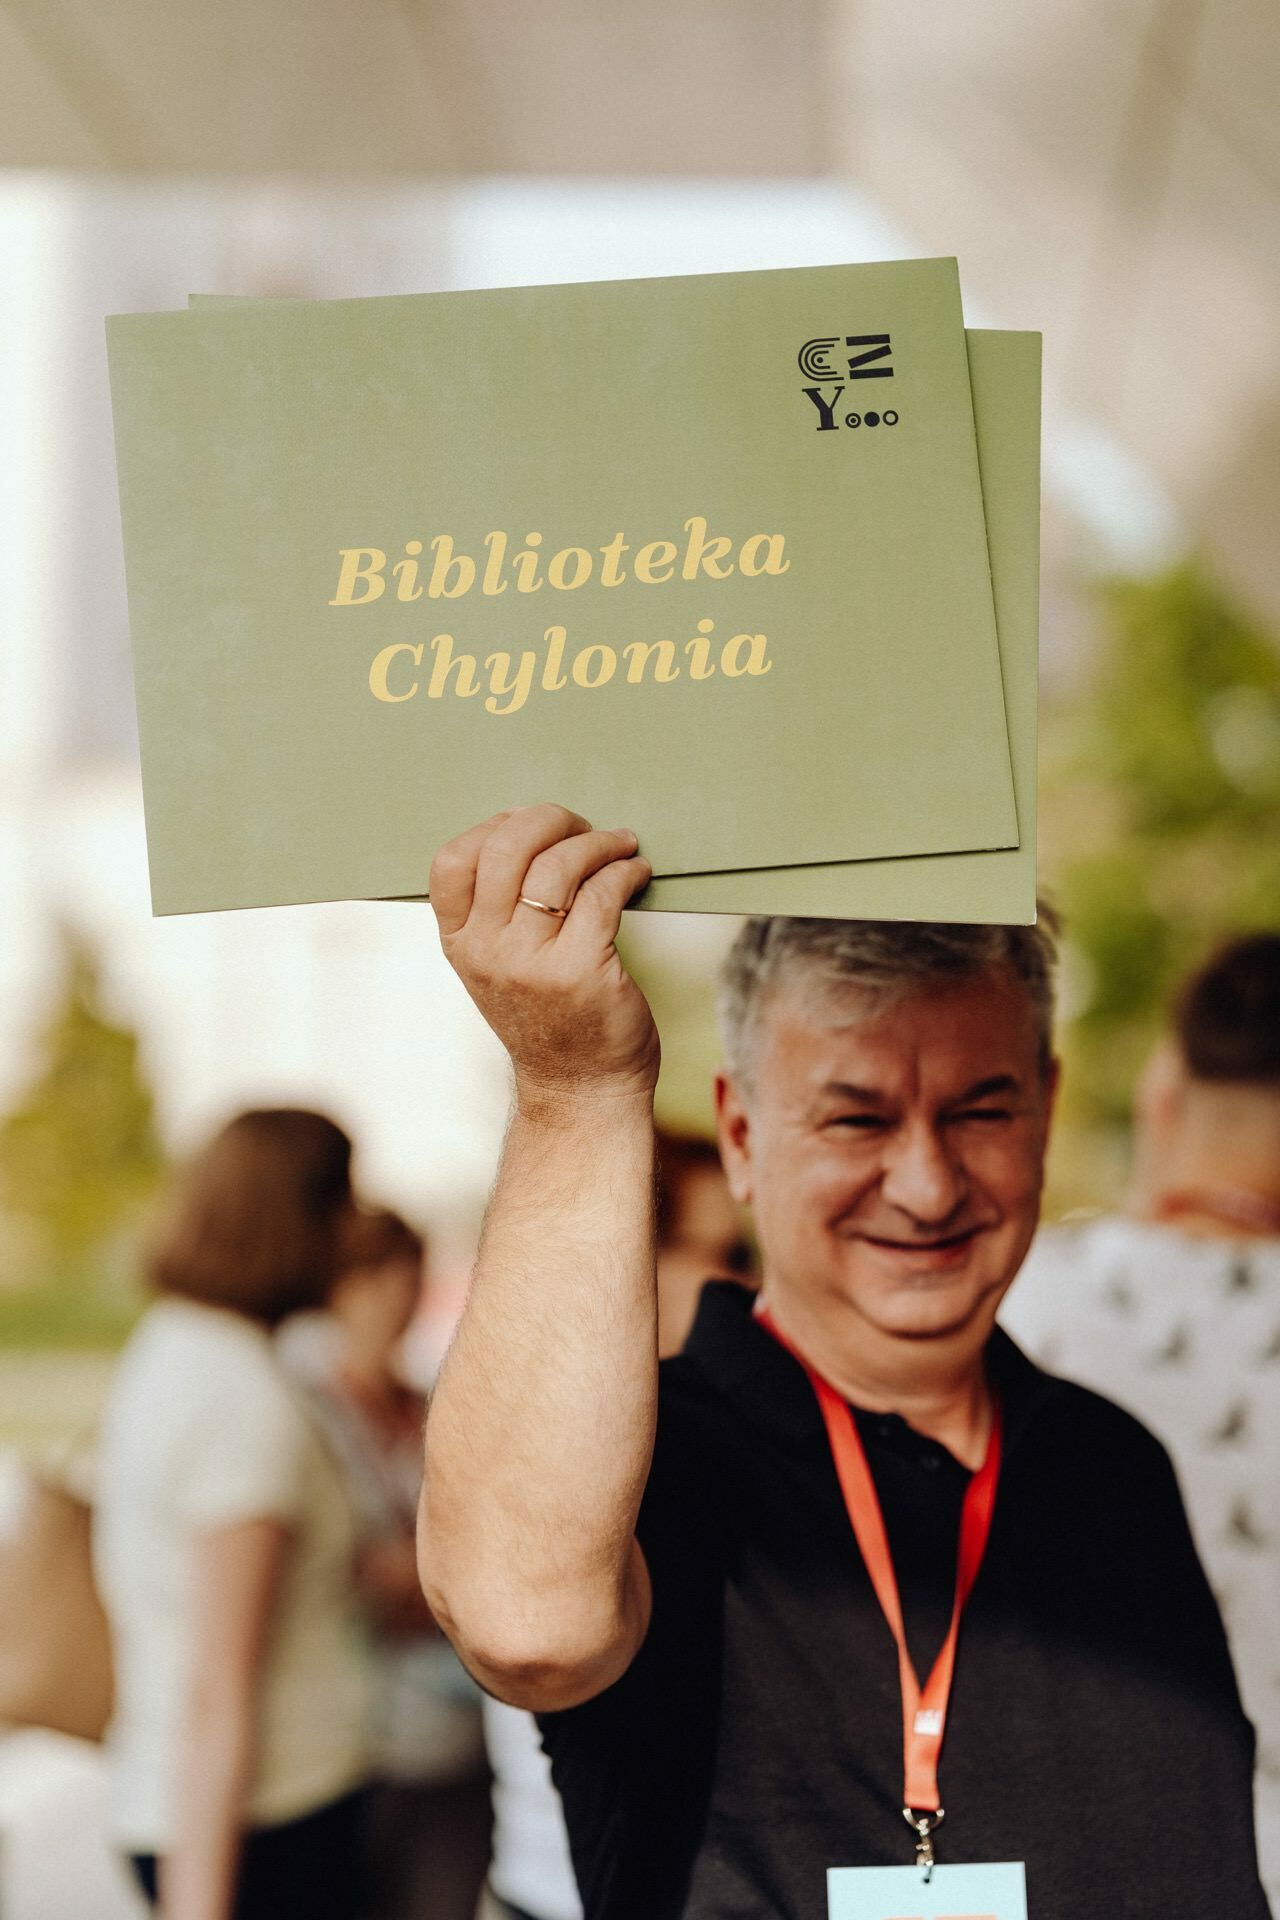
924	1709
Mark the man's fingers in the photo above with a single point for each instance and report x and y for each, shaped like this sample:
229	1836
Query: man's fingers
549	854
596	914
507	854
453	873
556	875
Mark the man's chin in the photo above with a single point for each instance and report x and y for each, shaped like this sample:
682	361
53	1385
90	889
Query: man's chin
973	1326
936	1306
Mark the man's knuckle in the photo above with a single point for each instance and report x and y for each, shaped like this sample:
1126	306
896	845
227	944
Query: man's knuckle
546	816
595	902
553	868
502	837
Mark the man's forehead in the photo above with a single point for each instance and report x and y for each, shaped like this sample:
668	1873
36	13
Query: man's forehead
980	1016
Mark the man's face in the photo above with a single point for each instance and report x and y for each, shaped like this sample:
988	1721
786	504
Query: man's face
893	1156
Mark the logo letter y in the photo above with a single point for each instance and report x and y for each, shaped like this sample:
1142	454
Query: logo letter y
826	411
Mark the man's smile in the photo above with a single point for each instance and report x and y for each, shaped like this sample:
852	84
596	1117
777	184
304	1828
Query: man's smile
931	1253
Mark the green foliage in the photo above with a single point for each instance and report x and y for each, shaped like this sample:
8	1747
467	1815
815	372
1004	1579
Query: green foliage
79	1159
72	1307
1161	829
1188	706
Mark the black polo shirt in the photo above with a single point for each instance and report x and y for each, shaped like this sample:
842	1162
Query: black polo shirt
1095	1730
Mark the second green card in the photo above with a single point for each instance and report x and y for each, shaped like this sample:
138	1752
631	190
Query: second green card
996	887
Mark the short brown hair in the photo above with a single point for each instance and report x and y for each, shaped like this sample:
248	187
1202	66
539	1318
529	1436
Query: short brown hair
254	1217
376	1237
1227	1015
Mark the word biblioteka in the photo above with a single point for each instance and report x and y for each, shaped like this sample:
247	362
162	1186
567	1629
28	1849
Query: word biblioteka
362	575
405	669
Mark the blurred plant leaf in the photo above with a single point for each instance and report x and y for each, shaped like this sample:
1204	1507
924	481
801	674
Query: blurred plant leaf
79	1155
1161	833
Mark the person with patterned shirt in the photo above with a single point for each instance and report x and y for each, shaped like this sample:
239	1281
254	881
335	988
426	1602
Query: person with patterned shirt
1172	1306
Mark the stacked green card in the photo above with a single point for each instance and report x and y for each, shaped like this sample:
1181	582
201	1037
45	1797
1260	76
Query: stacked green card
712	557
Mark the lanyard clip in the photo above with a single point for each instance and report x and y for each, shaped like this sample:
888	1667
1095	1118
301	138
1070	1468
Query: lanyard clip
924	1826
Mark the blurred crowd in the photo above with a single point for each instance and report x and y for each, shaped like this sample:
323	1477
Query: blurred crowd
279	1709
284	1713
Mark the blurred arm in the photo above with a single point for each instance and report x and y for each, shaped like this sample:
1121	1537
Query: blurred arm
235	1586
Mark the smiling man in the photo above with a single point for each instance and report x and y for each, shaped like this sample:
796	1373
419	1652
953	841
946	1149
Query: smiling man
697	1575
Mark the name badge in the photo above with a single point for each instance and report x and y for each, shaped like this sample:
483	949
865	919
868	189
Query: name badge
996	1892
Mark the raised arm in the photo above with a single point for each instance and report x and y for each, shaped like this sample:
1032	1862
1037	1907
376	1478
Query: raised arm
540	1431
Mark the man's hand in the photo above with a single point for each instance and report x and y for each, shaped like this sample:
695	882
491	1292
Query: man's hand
550	984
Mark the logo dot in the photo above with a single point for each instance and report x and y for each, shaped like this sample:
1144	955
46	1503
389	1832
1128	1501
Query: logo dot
891	418
853	419
872	419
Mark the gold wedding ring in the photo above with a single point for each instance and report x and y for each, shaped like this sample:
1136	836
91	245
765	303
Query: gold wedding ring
557	913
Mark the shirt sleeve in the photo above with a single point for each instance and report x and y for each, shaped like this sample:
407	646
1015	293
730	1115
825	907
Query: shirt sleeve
247	1450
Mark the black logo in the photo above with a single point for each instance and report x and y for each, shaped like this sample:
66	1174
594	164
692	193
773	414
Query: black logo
817	360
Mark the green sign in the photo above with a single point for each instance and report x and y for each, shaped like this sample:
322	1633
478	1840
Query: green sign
704	556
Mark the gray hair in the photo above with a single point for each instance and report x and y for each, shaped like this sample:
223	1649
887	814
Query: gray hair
885	958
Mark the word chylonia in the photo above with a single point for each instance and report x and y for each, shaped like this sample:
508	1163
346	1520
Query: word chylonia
450	573
404	669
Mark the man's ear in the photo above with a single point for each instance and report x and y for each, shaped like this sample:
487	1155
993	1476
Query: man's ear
733	1130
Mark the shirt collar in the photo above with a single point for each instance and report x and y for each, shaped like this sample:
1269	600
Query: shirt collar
746	1365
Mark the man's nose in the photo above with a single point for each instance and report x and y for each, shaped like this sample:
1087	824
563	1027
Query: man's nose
921	1177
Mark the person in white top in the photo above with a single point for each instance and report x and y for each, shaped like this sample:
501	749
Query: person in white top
223	1546
429	1797
1173	1306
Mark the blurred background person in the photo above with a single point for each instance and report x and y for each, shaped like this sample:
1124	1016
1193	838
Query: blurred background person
1172	1305
224	1550
701	1237
701	1233
428	1803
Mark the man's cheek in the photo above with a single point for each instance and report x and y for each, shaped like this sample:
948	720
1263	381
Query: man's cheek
1012	1167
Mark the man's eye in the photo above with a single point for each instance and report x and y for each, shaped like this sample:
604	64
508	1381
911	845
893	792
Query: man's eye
864	1122
984	1113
